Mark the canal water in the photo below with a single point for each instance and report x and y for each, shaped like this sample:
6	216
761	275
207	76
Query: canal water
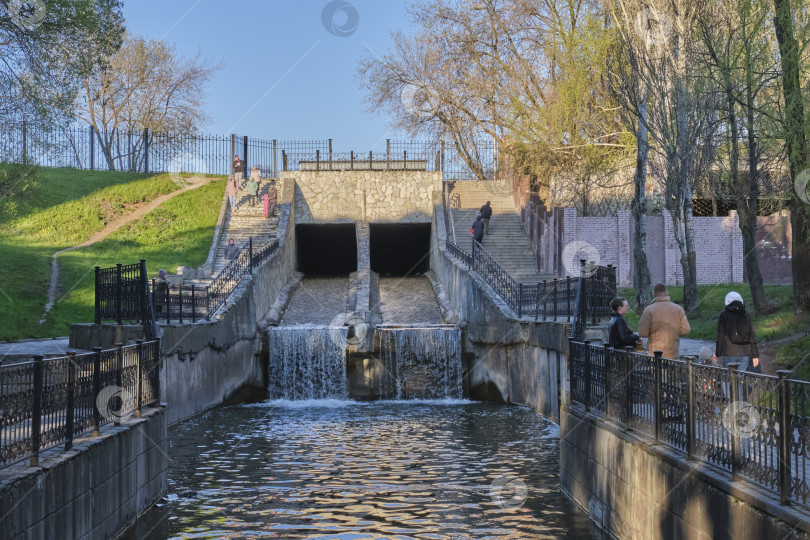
342	469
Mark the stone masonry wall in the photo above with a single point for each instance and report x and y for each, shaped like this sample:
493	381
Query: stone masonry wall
91	492
374	196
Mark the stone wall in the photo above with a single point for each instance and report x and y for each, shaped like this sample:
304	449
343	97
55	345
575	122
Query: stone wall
208	362
506	359
93	491
637	490
374	196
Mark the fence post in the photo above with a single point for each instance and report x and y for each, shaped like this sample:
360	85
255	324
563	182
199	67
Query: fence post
330	154
144	295
250	254
119	380
24	142
568	298
233	152
92	149
180	303
556	288
736	463
587	343
118	295
657	361
146	150
193	305
245	156
572	378
96	389
628	383
168	306
370	159
690	407
537	303
283	160
387	154
139	383
520	300
71	398
317	159
275	164
785	436
98	296
36	415
207	304
156	361
606	378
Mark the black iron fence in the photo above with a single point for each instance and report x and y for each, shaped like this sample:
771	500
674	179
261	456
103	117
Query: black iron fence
191	303
149	152
45	403
121	293
757	427
585	298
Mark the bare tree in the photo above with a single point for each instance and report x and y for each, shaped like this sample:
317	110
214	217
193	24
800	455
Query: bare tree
144	85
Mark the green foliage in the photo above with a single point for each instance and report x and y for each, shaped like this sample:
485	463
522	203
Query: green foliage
65	207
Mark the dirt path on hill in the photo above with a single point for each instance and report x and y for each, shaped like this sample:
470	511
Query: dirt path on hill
137	212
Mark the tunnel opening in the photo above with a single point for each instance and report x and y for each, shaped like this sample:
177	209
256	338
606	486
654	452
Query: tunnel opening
400	249
326	250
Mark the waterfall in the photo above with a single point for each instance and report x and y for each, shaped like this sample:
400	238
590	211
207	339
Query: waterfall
423	363
307	362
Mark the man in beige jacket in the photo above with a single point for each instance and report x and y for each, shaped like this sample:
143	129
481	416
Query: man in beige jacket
663	322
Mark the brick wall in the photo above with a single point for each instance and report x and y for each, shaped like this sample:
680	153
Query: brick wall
718	244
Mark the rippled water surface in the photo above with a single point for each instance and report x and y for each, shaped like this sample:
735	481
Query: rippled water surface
373	470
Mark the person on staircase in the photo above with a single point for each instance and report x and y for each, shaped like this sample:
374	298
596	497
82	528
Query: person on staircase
238	170
486	213
620	335
477	229
233	191
252	190
231	250
270	201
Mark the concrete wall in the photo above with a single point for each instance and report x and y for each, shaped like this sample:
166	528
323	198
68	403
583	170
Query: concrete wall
374	196
506	359
636	490
208	362
91	492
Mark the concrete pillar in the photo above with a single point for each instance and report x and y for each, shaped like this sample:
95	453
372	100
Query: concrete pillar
624	249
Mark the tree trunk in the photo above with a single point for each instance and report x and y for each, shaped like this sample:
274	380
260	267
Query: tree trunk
641	271
106	148
747	208
796	145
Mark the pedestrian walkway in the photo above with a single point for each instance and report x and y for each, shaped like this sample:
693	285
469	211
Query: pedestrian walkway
508	244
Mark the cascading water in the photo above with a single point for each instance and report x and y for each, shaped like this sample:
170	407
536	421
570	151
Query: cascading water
307	362
420	363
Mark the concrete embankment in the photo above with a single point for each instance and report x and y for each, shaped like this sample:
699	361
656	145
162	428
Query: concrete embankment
94	490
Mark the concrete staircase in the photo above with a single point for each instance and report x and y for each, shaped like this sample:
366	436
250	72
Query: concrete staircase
241	225
506	242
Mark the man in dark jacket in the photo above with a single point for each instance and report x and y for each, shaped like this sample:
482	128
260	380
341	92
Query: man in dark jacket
486	213
619	333
478	229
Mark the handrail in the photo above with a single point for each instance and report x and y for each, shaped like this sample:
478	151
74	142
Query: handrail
46	403
751	425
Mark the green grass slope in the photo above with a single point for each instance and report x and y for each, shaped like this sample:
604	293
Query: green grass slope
60	208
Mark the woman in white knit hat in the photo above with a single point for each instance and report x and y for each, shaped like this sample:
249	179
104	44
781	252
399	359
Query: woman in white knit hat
736	342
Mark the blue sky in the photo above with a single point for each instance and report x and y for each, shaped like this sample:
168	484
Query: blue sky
284	75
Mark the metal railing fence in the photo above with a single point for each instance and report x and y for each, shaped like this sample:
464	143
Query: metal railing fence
151	152
755	426
189	304
44	403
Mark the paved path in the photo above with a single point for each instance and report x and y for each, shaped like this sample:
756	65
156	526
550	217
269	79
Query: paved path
138	211
10	352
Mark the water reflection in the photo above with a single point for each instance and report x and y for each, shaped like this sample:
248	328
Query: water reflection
336	469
